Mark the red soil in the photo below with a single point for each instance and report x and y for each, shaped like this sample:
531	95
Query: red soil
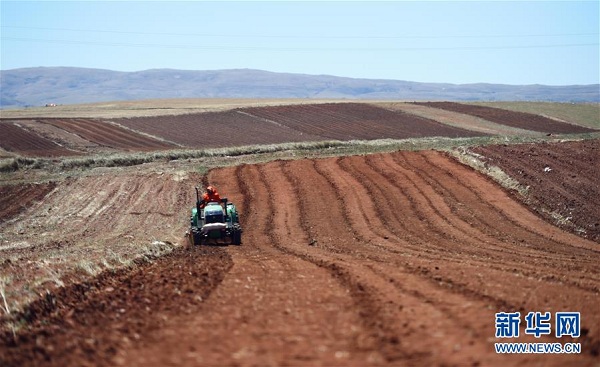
16	198
16	139
216	129
107	134
67	137
251	126
562	178
282	124
520	120
347	121
386	259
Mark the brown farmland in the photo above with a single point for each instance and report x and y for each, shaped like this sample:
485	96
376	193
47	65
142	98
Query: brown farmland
238	127
291	123
563	180
51	137
519	120
385	259
67	137
216	129
348	121
17	198
107	134
24	142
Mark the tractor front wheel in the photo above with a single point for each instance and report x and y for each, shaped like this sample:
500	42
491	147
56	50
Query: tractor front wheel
195	237
236	235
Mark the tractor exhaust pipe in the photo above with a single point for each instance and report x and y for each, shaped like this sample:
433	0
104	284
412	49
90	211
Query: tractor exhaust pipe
197	201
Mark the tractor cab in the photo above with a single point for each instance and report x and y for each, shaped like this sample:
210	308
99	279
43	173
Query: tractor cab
213	213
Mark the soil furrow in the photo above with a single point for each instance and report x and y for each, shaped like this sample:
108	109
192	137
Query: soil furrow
461	233
374	312
394	259
348	275
565	195
484	214
509	212
460	249
86	324
392	212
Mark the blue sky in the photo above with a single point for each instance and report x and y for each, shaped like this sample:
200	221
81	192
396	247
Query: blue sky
509	42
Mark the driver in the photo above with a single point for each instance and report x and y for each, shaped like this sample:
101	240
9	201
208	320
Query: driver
211	195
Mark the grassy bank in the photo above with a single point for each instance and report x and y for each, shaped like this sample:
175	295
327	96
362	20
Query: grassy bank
261	153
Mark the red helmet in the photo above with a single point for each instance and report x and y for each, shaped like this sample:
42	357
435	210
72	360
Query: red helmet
210	189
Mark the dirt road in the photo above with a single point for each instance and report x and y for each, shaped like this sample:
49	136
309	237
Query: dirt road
392	259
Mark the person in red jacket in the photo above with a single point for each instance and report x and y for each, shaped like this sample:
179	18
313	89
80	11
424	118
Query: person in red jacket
211	195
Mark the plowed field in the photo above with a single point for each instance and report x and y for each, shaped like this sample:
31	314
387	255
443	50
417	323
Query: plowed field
86	220
347	121
18	140
17	198
108	135
52	137
67	137
292	123
519	120
216	129
387	259
563	180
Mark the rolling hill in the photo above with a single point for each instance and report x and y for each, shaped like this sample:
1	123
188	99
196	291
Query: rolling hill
67	85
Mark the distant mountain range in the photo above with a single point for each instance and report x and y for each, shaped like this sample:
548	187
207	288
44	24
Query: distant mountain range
67	85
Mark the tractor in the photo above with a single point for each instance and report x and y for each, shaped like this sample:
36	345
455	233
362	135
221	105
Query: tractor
216	223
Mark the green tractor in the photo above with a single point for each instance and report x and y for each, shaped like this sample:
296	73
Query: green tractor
216	223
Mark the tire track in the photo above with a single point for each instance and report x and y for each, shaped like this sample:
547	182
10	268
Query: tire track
352	272
436	225
456	254
393	274
377	339
445	207
538	254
